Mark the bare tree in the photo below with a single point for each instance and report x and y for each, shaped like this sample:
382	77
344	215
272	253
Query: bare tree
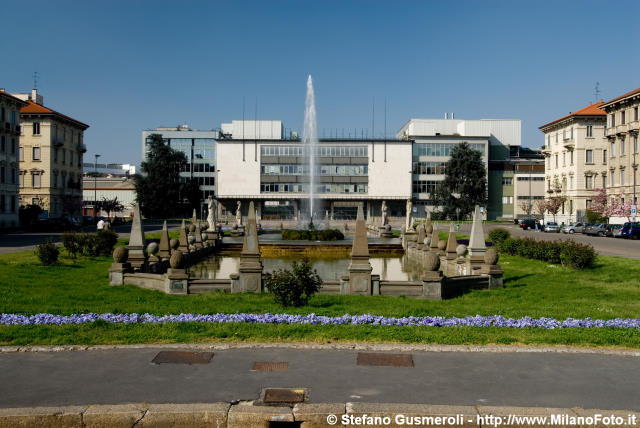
540	207
554	204
525	205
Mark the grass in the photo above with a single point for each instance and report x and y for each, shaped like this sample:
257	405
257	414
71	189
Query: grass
532	288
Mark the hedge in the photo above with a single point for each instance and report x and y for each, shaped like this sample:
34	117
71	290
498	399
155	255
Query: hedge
312	235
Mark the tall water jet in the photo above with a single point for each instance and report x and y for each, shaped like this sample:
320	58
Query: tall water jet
310	140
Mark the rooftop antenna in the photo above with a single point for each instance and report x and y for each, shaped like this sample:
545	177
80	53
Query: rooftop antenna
35	79
597	92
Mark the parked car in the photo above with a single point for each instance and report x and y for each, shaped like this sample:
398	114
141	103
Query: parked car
528	223
614	230
575	227
60	224
631	230
596	229
88	219
552	226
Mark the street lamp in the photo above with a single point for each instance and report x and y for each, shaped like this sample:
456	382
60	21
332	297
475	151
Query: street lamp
95	186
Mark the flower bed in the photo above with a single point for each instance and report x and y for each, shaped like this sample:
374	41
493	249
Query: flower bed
469	321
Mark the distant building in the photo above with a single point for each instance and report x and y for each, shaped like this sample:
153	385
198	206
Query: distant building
108	187
109	169
9	167
51	151
623	124
576	160
198	146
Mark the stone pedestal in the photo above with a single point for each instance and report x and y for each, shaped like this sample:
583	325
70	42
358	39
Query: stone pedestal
176	281
375	285
344	284
477	246
495	275
117	271
360	267
433	285
250	271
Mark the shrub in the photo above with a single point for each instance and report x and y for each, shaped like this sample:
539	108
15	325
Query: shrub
47	253
577	256
71	244
293	287
498	235
568	253
87	244
105	240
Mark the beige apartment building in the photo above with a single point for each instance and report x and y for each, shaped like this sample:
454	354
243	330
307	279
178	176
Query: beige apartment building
51	149
9	140
621	133
575	160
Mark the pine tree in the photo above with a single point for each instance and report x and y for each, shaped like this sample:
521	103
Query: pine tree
464	185
158	190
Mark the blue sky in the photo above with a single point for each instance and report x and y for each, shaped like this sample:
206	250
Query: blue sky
126	66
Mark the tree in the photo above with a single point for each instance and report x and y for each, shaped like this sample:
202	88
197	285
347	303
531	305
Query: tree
525	205
192	193
110	205
554	204
158	190
465	183
600	203
540	207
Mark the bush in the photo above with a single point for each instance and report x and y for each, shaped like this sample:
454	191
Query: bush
498	235
293	287
568	253
47	253
70	243
105	241
312	235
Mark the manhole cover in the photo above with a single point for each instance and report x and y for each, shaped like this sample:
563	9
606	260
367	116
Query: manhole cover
182	357
382	359
270	367
283	395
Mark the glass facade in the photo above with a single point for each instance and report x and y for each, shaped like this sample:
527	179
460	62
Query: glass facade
442	149
322	151
320	188
429	167
301	169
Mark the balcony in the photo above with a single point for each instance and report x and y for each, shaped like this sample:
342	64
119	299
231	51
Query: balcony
82	148
621	129
633	126
568	143
610	131
546	150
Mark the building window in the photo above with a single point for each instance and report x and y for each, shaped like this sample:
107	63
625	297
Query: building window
613	149
55	180
612	119
13	146
564	158
64	156
13	176
589	154
13	203
622	117
21	180
612	181
604	181
589	130
36	153
635	113
507	181
36	128
622	144
2	143
556	160
588	182
622	177
21	154
507	200
635	144
70	157
35	179
2	174
64	180
604	156
571	156
548	140
564	134
2	203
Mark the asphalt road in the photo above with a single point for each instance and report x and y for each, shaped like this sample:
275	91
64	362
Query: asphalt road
21	241
455	378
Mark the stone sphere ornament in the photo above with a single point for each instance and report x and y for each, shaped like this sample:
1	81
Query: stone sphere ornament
152	248
431	262
461	250
192	228
177	260
491	257
174	244
191	239
387	228
120	254
442	244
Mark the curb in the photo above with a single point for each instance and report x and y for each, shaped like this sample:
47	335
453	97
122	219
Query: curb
334	346
307	415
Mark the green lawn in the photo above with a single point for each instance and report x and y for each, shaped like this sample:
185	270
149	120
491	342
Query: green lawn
532	288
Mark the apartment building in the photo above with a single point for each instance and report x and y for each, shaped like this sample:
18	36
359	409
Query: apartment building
9	141
51	151
575	160
621	145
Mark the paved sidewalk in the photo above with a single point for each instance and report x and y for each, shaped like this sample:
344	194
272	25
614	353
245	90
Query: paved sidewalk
127	375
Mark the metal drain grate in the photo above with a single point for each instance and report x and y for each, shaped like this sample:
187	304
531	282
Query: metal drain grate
383	359
283	396
182	357
262	366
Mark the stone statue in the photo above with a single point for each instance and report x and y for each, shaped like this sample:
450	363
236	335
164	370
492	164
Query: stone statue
210	216
409	208
239	214
384	213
